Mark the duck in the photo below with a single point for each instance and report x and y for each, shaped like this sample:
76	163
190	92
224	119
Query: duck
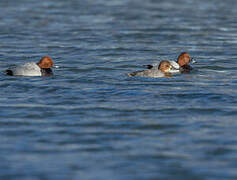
183	61
164	69
42	68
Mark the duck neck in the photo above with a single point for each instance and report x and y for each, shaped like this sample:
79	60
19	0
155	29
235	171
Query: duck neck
46	72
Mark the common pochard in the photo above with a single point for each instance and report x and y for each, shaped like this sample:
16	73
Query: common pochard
42	68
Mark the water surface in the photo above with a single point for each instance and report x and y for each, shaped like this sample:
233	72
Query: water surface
91	121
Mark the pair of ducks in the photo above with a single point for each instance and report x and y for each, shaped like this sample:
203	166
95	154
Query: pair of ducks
167	68
164	69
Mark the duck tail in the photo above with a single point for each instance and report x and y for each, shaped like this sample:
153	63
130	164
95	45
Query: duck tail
9	72
131	74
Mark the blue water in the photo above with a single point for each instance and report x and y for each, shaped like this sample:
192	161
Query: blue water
91	121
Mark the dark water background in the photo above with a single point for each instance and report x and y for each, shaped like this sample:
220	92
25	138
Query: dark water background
91	121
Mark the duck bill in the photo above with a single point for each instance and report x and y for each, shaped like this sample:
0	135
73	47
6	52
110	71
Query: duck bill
193	61
55	66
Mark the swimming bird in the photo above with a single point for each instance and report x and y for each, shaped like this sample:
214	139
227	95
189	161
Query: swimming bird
164	69
42	68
